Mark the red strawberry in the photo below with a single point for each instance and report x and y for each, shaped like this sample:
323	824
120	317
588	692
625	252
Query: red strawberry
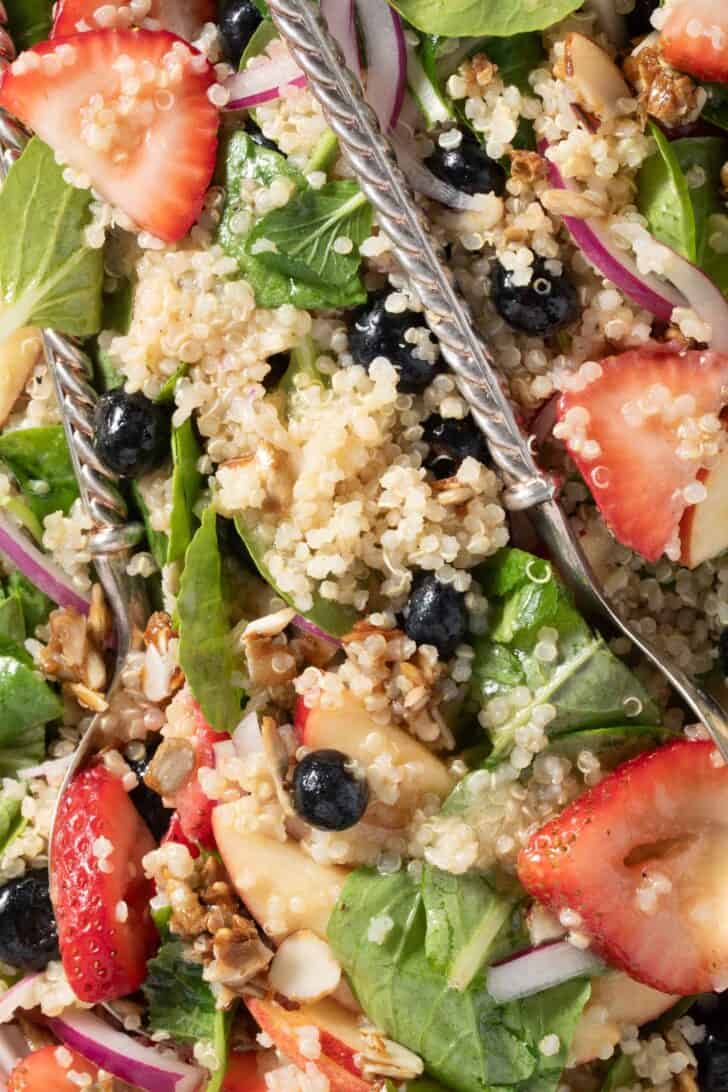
194	807
245	1072
638	470
129	110
101	901
176	834
643	859
42	1071
694	38
183	17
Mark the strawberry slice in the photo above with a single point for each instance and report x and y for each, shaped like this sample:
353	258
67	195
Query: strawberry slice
128	110
246	1071
183	17
643	859
99	892
194	807
695	39
45	1070
633	431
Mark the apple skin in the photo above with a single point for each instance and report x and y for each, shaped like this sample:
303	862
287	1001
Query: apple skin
626	1001
704	526
339	1037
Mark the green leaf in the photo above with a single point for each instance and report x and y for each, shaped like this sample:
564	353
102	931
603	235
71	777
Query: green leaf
27	704
586	683
516	56
620	1074
35	604
663	198
11	820
187	485
716	108
47	276
301	373
205	648
700	160
613	745
157	540
41	463
29	21
221	1043
470	18
12	620
178	998
166	394
465	1039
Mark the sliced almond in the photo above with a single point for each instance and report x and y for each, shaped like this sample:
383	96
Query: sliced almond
593	76
304	968
18	356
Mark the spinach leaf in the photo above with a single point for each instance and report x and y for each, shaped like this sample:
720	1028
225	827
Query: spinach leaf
180	1001
301	372
701	159
166	394
29	21
586	683
516	56
221	1043
716	108
334	618
187	485
41	463
244	160
157	540
47	276
620	1074
470	18
11	820
613	745
27	704
35	604
12	622
663	198
465	1039
116	315
205	648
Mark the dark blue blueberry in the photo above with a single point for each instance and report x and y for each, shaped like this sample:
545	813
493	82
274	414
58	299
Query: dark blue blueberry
326	793
435	615
374	332
131	433
28	936
468	168
540	307
146	801
278	363
450	441
238	21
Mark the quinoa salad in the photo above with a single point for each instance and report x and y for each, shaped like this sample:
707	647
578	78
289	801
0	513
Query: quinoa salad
373	806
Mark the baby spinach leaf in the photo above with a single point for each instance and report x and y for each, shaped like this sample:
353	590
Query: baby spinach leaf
166	394
35	605
41	463
12	622
301	369
700	160
620	1074
516	56
29	21
186	488
47	276
244	161
716	108
663	198
470	18
178	998
157	541
11	820
27	704
261	37
613	745
205	648
465	1039
221	1043
586	683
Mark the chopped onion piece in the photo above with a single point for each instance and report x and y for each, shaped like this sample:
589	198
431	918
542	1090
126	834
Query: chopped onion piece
262	81
19	996
123	1056
386	55
539	969
341	21
38	567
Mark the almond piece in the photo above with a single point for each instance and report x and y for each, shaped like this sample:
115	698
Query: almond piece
304	968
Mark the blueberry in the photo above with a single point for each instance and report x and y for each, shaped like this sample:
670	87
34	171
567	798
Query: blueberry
374	331
451	440
146	801
258	137
467	167
238	20
28	937
723	651
131	433
278	364
540	307
435	615
326	793
712	1057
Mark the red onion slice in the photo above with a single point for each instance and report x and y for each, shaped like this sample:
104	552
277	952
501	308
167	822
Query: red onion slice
262	81
125	1057
38	567
386	54
19	996
310	627
701	294
539	969
341	21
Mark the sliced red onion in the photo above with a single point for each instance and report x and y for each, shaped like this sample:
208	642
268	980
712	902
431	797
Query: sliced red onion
341	21
309	627
19	996
598	247
38	567
123	1056
701	294
262	81
539	969
247	737
386	54
13	1047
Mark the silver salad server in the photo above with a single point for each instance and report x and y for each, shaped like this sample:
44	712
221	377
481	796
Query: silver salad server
528	488
113	535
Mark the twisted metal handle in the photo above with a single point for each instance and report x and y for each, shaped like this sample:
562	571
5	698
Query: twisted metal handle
447	313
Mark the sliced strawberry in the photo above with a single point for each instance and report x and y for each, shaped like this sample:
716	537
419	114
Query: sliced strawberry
641	465
183	17
643	859
100	895
128	109
194	807
45	1071
246	1072
176	834
694	38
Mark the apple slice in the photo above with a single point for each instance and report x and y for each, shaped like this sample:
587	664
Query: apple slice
349	728
704	526
18	355
284	889
340	1039
625	1002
